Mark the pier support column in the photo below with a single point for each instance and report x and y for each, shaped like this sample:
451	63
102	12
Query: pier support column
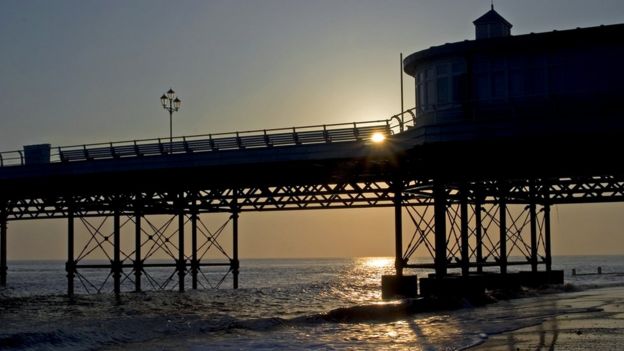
194	261
502	212
399	285
398	230
138	263
533	223
465	250
3	249
181	257
70	265
235	264
440	261
547	247
478	233
116	266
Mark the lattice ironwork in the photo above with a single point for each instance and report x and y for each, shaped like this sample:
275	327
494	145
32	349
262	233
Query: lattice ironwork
424	229
95	263
96	272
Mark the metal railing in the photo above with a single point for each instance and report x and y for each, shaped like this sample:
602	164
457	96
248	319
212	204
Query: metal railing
252	139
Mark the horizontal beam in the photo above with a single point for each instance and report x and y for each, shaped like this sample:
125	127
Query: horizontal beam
582	190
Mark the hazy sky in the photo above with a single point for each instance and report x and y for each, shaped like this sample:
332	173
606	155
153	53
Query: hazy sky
83	71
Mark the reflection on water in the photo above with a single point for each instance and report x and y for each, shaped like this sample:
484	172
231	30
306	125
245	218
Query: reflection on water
280	305
376	262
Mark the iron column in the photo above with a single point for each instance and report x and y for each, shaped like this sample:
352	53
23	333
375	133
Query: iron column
235	263
138	264
70	266
533	218
547	246
502	212
194	262
116	250
3	249
478	233
181	258
398	229
465	252
439	194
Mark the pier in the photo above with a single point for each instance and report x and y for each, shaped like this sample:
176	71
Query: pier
468	220
473	170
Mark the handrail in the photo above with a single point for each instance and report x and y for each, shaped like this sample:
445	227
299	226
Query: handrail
216	135
180	144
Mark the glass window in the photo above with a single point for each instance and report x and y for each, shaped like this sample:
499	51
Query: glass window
499	88
516	83
459	67
483	86
430	93
442	69
443	90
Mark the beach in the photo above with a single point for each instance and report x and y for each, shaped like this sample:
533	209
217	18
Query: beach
595	321
309	304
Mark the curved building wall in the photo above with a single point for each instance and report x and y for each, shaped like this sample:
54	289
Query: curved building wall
533	77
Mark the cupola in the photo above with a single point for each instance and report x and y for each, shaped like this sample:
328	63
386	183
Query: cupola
492	25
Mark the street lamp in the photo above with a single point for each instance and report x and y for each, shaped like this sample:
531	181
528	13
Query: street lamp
171	103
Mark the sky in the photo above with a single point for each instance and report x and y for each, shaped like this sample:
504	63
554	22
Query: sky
85	71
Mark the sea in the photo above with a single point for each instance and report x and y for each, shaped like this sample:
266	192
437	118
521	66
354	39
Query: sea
281	304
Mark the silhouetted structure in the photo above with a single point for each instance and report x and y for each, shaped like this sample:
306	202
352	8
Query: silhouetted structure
505	127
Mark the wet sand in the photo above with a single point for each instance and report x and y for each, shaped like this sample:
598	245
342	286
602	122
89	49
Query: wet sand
599	327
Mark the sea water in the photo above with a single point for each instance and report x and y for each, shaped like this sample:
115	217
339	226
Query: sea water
281	304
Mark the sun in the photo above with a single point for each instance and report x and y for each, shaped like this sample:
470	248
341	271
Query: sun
378	138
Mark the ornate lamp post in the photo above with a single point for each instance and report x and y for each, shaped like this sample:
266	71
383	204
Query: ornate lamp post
171	103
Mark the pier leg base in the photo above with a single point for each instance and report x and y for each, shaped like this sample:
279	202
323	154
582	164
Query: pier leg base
394	286
472	287
541	278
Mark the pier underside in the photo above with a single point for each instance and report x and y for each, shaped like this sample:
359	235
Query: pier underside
475	214
470	229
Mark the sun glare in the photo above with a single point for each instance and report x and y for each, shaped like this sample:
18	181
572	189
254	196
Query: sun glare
378	262
378	137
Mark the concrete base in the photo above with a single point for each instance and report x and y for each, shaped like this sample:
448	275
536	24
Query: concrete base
475	284
452	286
536	279
393	286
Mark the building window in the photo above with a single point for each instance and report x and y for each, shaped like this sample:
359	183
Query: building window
491	78
440	85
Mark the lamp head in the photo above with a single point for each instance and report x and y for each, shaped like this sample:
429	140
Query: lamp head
170	93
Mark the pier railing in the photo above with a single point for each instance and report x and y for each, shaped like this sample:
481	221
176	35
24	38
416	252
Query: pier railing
252	139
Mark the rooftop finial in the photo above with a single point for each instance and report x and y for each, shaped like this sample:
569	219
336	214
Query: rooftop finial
492	4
